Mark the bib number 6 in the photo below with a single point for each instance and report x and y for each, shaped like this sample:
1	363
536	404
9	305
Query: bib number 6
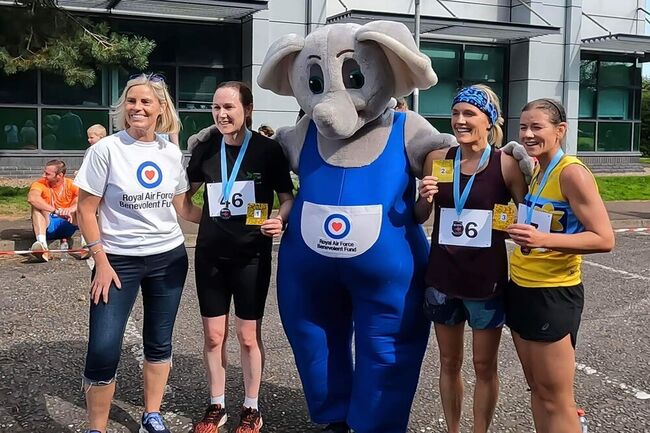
470	230
237	200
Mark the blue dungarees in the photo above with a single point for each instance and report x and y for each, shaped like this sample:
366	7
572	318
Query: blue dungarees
353	258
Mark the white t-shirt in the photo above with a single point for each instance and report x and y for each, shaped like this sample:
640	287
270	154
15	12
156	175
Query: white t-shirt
137	182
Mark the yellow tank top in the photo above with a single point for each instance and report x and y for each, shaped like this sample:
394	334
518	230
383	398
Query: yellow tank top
546	268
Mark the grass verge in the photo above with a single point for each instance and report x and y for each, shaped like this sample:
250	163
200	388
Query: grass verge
624	187
13	200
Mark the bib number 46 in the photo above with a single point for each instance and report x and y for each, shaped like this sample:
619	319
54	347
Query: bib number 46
237	200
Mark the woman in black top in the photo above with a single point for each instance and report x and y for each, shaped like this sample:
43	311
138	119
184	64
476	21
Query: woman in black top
233	258
468	266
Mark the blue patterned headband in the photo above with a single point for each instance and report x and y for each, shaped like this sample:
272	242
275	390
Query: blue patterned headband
480	100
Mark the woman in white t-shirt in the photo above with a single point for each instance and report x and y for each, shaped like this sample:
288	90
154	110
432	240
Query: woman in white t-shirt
135	182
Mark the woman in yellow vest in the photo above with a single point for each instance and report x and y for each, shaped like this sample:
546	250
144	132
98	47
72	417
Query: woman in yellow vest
564	218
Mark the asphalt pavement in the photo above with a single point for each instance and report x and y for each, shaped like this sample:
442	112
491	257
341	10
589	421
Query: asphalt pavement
43	332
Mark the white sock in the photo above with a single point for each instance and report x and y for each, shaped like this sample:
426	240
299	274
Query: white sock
42	239
220	399
250	402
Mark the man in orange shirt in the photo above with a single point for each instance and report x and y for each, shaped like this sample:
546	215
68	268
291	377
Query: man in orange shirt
54	203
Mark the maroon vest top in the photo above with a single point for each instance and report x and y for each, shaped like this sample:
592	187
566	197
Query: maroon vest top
469	272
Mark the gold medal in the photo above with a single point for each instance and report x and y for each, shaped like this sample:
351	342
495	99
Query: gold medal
443	169
256	214
503	216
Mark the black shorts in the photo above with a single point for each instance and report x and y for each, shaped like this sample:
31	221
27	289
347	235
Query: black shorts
544	313
220	279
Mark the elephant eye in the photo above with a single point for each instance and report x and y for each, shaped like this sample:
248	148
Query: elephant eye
352	76
316	82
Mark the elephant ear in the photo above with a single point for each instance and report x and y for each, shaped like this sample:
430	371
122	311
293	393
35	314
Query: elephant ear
276	69
411	68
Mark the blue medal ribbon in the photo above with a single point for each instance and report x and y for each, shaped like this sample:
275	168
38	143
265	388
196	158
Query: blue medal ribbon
540	186
227	182
460	200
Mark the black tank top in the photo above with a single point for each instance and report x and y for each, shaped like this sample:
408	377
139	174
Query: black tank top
469	272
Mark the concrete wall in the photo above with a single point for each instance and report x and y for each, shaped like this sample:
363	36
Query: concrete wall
617	16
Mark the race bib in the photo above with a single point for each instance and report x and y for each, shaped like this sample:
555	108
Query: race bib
472	229
540	220
340	231
243	193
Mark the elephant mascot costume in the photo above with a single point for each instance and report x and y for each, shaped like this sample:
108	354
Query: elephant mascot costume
352	260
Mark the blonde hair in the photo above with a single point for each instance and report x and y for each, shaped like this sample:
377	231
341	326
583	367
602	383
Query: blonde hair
168	121
97	129
495	136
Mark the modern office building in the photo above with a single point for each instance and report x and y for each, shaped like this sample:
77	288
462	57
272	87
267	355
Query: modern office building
586	53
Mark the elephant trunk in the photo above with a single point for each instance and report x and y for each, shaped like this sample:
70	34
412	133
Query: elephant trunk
336	116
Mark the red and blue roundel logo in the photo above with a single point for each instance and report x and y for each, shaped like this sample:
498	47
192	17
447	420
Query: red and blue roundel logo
337	226
149	174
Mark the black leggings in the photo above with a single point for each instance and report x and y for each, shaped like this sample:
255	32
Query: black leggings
220	279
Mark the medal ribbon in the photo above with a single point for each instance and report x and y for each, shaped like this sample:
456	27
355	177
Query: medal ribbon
227	182
540	186
460	200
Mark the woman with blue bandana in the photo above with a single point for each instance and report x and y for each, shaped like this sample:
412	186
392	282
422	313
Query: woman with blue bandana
468	265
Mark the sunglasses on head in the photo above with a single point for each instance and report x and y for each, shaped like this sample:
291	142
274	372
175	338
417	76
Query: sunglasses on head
154	78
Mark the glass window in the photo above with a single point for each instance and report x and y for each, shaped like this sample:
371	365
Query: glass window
637	104
609	90
637	137
483	64
588	72
66	129
614	136
19	88
18	128
445	59
436	101
196	86
587	107
193	122
586	136
458	66
441	124
614	104
616	73
56	92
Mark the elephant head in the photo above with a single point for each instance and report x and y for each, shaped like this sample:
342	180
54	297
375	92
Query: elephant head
343	75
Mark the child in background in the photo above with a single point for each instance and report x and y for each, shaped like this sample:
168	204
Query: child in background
95	133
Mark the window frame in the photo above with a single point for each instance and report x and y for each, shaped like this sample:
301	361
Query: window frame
462	81
232	61
633	88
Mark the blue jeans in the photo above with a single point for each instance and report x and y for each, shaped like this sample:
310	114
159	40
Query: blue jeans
161	277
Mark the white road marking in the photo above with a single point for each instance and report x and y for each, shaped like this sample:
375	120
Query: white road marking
635	230
621	386
617	271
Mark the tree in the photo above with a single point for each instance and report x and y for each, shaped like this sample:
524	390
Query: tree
38	34
645	117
